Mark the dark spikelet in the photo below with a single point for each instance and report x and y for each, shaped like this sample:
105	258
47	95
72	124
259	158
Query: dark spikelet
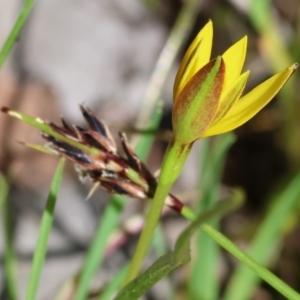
66	125
124	188
99	131
79	132
71	152
138	165
89	140
63	131
114	187
105	143
93	122
133	160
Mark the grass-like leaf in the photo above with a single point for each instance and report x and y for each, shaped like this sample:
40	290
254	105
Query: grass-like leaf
268	238
15	30
114	284
9	254
94	258
203	282
181	254
44	232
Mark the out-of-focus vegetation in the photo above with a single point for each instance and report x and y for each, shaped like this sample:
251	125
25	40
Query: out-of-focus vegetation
263	159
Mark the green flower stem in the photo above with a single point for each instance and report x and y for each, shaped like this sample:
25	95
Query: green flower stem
174	160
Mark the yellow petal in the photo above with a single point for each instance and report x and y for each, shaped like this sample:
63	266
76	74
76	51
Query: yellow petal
197	55
234	59
252	103
230	97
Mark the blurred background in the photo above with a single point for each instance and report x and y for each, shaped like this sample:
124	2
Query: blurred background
102	54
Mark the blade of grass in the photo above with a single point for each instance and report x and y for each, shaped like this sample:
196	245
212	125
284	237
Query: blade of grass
273	46
266	240
15	30
248	261
274	50
94	258
110	218
9	254
158	244
114	284
181	254
44	232
203	282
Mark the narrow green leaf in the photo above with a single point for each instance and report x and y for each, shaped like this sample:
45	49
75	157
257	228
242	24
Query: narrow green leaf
136	288
181	254
260	12
9	254
44	232
158	243
182	247
248	261
114	284
266	240
203	283
94	258
15	31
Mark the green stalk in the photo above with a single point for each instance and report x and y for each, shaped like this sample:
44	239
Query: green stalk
247	260
114	284
44	232
270	232
95	255
9	254
205	264
172	165
243	257
239	254
15	31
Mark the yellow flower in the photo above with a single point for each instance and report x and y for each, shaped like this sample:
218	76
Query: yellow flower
207	94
